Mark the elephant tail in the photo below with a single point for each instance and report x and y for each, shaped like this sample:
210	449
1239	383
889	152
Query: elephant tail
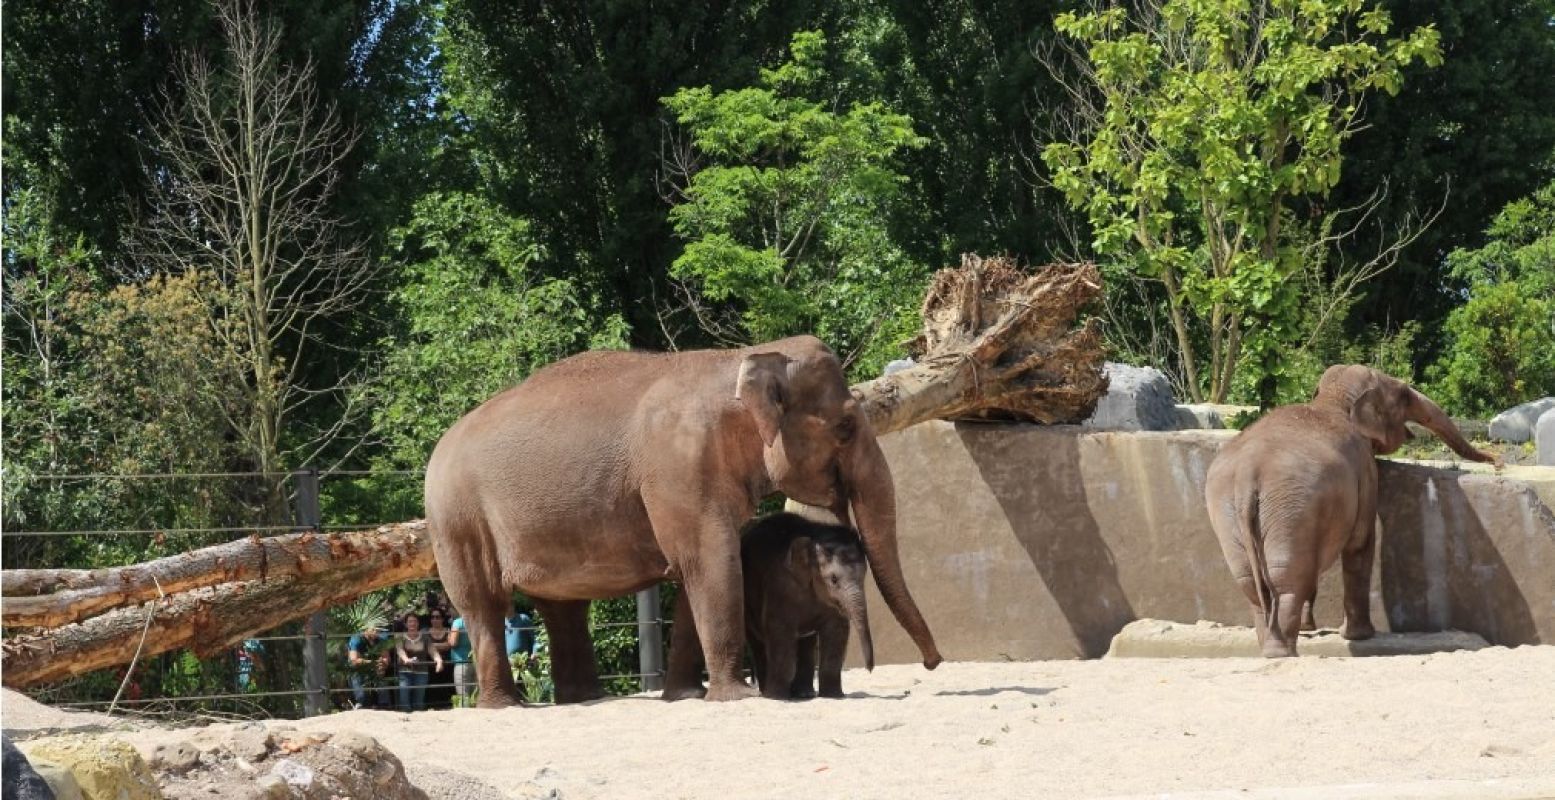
1268	599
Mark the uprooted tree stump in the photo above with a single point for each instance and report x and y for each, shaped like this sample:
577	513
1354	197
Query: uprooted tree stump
997	343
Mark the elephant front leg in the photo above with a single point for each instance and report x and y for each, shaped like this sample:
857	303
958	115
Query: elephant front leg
833	637
683	680
1357	583
572	650
704	548
781	656
803	685
718	605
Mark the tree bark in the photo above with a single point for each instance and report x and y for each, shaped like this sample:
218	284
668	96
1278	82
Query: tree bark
209	619
997	343
50	598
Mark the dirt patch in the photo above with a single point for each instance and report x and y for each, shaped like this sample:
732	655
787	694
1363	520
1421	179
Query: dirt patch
1474	724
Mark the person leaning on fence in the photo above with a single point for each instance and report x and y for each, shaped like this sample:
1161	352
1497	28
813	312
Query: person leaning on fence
440	685
464	669
417	658
367	654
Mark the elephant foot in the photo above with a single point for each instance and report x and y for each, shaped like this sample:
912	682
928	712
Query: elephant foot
578	694
1273	648
672	694
497	699
834	694
802	692
738	690
1357	631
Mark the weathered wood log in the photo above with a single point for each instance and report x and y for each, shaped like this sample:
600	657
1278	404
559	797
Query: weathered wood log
90	592
997	343
208	619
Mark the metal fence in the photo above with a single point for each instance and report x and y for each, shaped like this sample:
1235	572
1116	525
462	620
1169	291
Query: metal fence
305	498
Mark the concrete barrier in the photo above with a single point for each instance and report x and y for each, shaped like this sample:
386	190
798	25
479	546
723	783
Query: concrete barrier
1027	542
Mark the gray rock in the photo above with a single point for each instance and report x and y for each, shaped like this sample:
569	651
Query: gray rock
250	742
21	781
176	758
1137	399
898	365
1515	424
273	787
1544	439
295	773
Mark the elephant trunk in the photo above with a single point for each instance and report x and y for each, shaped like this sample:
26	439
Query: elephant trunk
858	617
1425	412
872	495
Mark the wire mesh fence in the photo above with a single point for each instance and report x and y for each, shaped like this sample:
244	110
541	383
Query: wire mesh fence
70	520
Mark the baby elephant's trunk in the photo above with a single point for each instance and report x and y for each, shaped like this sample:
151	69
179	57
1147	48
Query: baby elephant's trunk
858	617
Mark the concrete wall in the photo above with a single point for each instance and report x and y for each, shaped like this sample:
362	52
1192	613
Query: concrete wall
1028	542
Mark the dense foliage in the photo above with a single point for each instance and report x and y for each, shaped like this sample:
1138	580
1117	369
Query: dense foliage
516	181
1200	124
1501	341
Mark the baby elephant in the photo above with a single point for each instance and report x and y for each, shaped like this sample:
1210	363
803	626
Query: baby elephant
804	582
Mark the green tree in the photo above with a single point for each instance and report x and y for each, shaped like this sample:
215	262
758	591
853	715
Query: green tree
478	317
1500	344
560	114
1200	123
785	204
1476	133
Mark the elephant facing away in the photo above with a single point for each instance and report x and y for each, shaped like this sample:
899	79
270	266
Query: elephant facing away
608	472
1297	491
804	588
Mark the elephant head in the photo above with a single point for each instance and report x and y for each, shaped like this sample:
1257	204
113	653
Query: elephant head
819	449
1380	404
839	577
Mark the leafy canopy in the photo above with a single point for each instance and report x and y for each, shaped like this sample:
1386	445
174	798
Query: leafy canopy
1501	342
788	220
1206	118
477	319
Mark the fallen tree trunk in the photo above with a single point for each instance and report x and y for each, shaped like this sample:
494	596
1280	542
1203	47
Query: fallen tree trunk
33	597
211	618
997	343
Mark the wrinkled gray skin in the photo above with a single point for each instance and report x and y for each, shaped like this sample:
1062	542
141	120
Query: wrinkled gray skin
609	472
804	588
1297	491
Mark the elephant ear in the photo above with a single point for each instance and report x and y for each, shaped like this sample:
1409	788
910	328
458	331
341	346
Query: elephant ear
763	388
1370	416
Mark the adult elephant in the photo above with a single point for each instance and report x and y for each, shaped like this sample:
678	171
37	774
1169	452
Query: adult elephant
608	472
1297	491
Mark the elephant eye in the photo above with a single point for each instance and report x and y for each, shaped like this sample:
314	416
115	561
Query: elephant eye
846	428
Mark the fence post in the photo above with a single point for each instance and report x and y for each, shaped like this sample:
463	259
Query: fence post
315	672
650	640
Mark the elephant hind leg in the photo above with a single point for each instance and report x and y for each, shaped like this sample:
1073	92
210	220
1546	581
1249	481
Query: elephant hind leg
572	650
683	680
475	590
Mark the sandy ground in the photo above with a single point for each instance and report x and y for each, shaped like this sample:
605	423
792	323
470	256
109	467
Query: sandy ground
1452	725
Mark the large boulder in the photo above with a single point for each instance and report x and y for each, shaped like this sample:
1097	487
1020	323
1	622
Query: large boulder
1515	424
256	762
20	780
1137	399
1544	439
104	767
